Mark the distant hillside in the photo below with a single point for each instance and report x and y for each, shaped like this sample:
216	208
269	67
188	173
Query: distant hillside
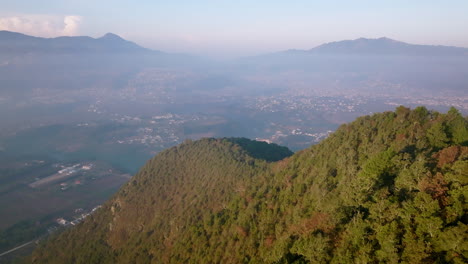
387	188
75	63
384	46
12	42
371	67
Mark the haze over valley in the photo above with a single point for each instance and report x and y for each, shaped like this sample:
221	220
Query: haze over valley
79	116
81	81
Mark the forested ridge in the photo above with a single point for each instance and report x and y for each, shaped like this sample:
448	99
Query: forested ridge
386	188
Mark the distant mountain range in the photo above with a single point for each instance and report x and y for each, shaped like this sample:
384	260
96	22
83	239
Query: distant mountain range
383	46
12	42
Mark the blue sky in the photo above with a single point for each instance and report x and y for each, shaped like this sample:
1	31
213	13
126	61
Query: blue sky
242	27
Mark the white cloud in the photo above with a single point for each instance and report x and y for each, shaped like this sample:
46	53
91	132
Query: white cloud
42	25
72	25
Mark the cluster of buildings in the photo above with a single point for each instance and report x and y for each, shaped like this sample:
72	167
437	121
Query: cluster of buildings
63	222
289	102
317	137
75	168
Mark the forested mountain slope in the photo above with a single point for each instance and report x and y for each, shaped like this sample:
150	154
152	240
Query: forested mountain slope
386	188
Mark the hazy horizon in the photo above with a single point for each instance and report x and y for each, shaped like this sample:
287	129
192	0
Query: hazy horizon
242	28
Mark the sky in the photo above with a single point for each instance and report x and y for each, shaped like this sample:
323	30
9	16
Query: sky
241	27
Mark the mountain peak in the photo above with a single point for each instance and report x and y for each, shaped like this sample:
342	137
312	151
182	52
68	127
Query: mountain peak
387	39
12	42
374	39
385	46
367	41
111	36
